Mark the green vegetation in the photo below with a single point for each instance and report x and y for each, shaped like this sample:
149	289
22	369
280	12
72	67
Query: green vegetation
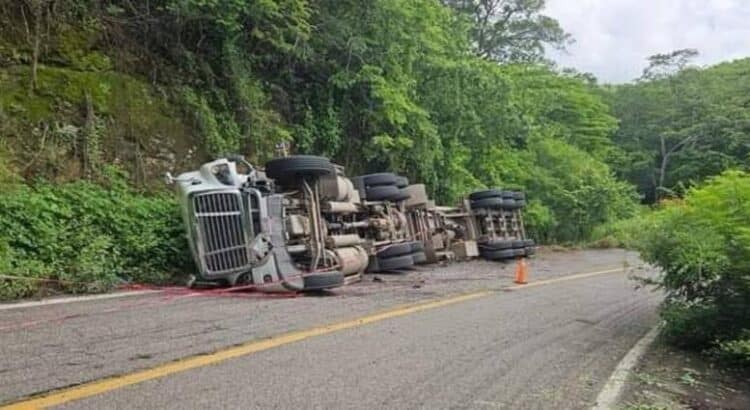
702	245
681	124
87	237
680	127
411	86
456	94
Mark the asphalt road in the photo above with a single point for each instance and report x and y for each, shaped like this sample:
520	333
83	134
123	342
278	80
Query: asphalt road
547	346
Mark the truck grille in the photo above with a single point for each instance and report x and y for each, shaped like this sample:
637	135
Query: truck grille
221	231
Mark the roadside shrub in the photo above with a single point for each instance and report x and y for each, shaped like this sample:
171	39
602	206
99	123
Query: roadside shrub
574	192
702	245
736	351
87	236
539	221
627	232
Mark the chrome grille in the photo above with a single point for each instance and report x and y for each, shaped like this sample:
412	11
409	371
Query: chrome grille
221	233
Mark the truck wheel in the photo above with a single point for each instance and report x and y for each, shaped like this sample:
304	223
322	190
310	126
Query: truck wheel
402	182
402	196
509	203
287	169
419	257
381	178
492	203
320	281
395	263
499	254
519	252
417	246
489	193
396	249
515	203
496	244
381	192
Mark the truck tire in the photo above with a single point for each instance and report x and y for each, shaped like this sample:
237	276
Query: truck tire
396	249
381	192
378	179
402	182
530	250
519	195
487	203
402	196
320	281
498	254
513	204
395	263
417	246
496	244
287	169
489	193
518	243
519	252
509	203
528	242
419	257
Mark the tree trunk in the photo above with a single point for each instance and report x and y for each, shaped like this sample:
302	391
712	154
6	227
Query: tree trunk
35	39
662	169
37	12
88	134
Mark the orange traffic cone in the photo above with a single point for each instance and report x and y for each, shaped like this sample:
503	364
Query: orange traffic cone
521	271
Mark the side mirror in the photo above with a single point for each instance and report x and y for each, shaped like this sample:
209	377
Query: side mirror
168	178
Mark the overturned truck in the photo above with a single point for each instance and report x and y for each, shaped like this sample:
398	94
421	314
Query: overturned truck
301	224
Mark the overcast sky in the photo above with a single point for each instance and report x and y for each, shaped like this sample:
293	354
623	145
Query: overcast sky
614	37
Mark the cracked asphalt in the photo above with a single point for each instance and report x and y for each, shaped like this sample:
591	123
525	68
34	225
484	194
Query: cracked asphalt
549	346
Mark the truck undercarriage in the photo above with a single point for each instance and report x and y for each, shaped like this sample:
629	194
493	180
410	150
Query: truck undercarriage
302	225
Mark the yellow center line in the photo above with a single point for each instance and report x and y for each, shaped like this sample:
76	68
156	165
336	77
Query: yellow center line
100	386
564	278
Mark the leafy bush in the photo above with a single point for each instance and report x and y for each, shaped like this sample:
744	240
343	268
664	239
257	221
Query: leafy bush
736	351
539	220
702	245
622	233
570	191
88	237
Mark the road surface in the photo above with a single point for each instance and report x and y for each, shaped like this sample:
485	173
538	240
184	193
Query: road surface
549	345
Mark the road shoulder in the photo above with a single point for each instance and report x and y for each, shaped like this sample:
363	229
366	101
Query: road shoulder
669	378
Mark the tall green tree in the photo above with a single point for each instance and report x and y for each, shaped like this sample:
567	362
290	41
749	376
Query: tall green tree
511	30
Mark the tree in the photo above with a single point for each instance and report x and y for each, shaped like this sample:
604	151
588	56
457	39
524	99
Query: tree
39	12
666	65
680	124
511	30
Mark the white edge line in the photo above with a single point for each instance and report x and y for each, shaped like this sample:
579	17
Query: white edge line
72	299
612	390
